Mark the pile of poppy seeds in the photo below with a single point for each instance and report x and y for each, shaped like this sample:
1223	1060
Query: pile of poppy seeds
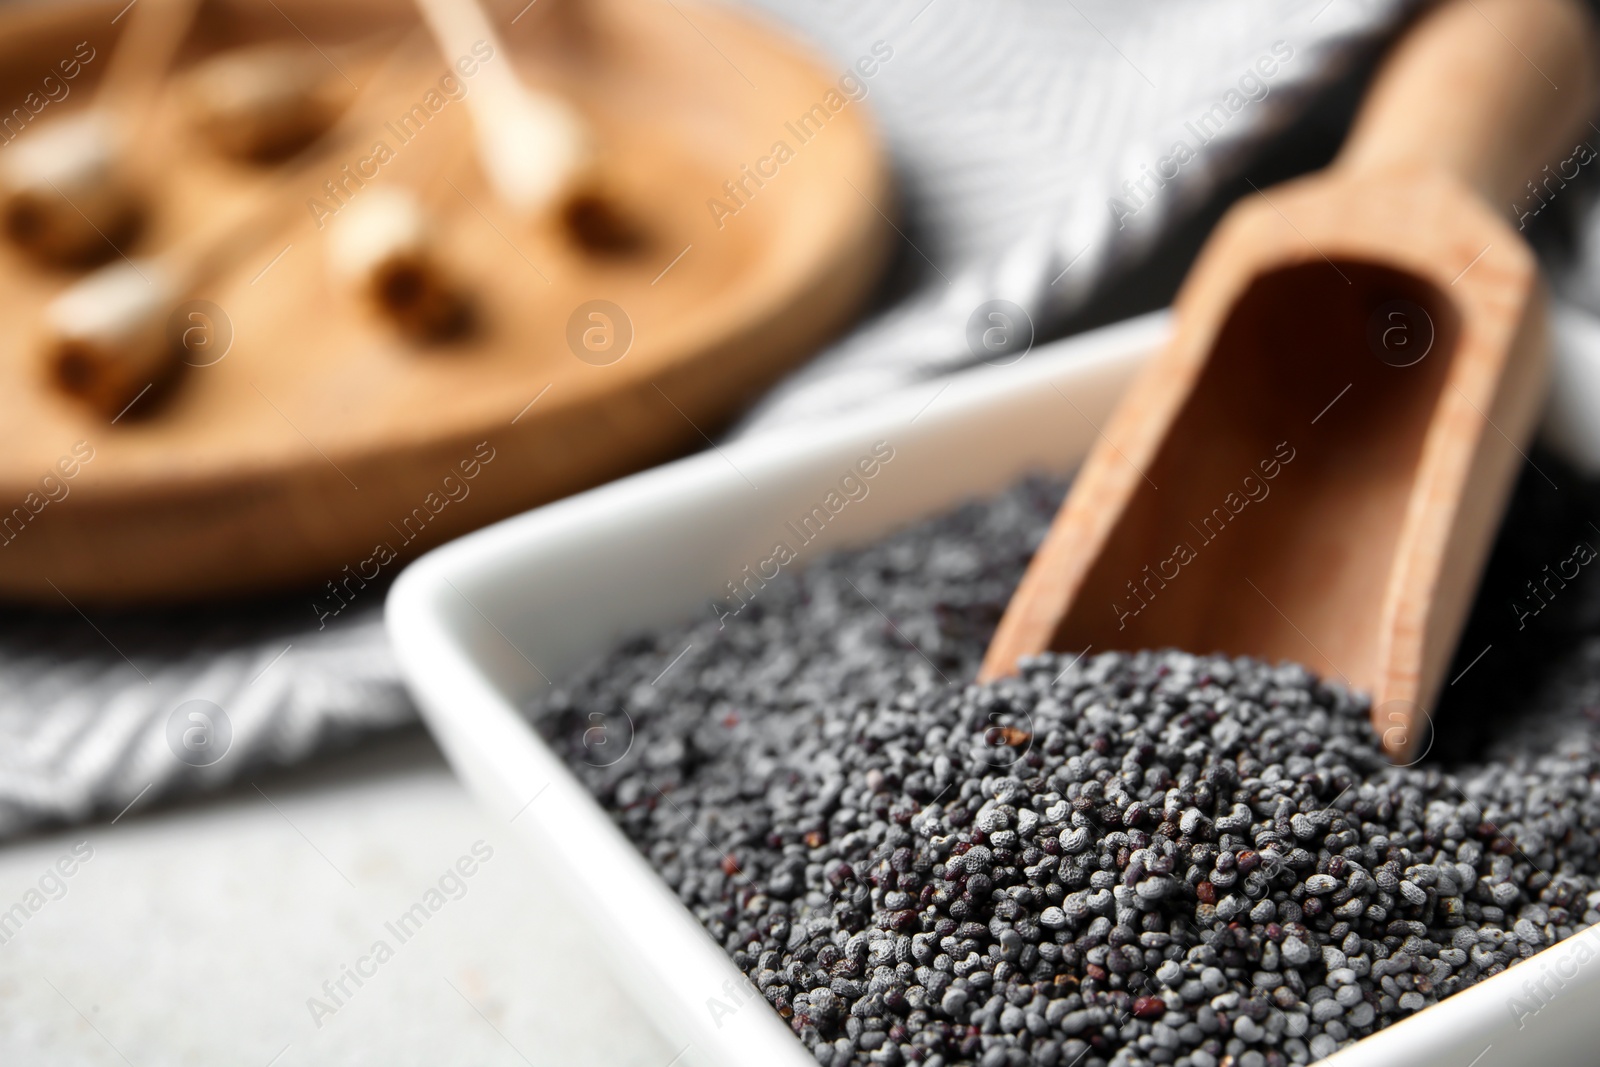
1140	858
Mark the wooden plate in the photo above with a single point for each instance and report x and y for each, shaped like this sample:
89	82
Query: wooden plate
323	445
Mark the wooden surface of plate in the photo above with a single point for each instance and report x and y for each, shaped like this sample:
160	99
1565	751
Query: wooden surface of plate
324	444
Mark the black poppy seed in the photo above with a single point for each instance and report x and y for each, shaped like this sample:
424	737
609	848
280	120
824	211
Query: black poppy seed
1132	859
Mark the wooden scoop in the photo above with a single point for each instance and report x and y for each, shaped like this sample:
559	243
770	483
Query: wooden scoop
1315	466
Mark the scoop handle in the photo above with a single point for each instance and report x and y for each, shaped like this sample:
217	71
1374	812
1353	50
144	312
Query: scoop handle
1489	90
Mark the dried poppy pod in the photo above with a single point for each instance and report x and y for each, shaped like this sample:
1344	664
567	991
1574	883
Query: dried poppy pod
536	149
599	217
106	335
382	243
64	197
265	101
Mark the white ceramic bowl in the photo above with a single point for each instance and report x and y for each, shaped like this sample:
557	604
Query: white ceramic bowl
483	623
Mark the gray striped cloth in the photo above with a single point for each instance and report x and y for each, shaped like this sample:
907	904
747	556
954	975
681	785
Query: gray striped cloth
1042	149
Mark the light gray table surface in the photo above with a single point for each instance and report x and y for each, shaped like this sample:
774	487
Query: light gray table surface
198	934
